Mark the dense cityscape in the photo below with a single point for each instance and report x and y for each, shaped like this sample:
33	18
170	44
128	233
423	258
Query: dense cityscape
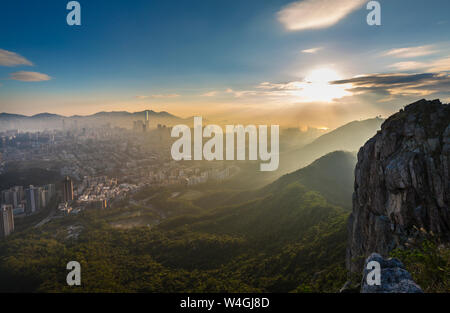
93	167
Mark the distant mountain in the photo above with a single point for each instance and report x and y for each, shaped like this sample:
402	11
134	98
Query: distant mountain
47	115
10	116
332	175
140	114
43	121
349	137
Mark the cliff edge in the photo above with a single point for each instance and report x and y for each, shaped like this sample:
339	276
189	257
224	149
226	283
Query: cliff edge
402	183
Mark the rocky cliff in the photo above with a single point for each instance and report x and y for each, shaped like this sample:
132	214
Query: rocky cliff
402	182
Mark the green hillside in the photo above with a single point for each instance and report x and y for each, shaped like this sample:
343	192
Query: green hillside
332	175
286	237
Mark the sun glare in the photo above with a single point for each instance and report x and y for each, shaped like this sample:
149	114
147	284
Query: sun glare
317	87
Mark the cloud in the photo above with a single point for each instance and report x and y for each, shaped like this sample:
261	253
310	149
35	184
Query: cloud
294	85
312	50
209	94
173	95
313	14
407	66
242	93
387	79
8	58
411	52
439	65
29	76
399	84
293	92
141	97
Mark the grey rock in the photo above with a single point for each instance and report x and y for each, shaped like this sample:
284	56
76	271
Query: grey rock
401	182
394	277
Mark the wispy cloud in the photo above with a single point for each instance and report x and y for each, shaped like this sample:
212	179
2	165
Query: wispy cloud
241	93
209	94
412	52
439	65
9	58
408	65
172	95
312	50
141	97
29	76
312	14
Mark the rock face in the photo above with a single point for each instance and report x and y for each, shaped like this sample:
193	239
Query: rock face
393	277
402	182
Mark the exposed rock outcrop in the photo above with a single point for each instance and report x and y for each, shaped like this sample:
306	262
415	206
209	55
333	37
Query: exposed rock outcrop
402	182
393	277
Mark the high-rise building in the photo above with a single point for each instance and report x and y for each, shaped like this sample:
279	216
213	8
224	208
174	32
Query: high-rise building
12	196
68	189
147	121
7	197
51	190
33	196
6	220
18	195
45	199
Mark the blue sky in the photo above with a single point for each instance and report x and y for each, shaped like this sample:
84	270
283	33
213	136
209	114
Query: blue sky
188	56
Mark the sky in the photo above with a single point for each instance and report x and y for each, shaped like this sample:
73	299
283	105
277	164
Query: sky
309	62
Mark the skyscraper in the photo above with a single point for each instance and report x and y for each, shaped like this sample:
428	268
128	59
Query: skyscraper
33	196
45	199
147	122
6	220
68	189
7	197
51	190
12	196
18	195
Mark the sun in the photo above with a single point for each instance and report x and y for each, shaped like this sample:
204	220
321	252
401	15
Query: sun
317	88
322	75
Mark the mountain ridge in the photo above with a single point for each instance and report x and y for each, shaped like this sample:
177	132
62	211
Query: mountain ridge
348	137
47	114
